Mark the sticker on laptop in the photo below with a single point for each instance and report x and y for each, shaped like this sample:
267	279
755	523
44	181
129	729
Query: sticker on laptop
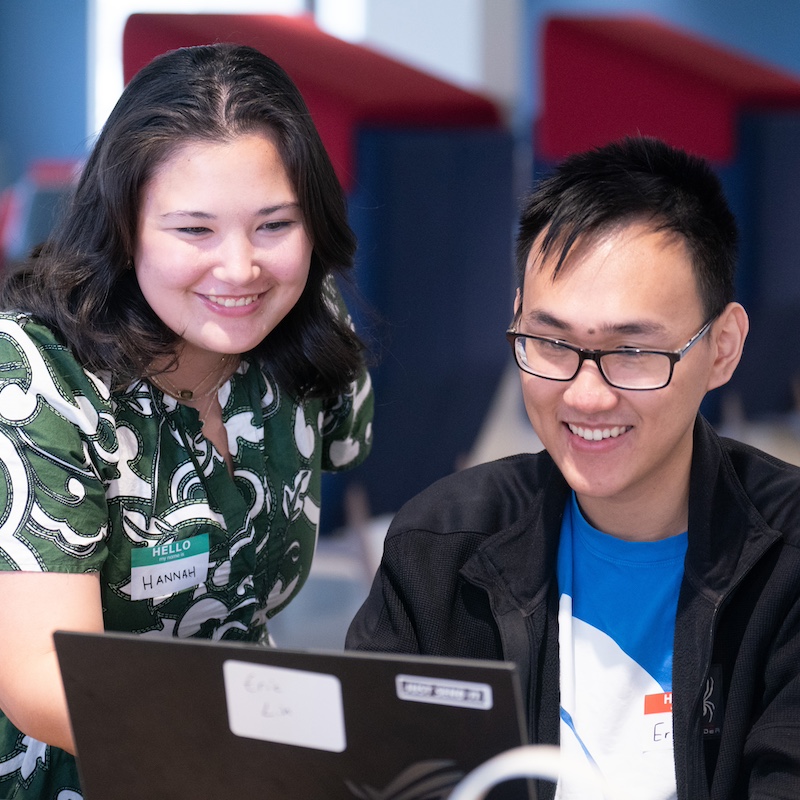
443	692
288	706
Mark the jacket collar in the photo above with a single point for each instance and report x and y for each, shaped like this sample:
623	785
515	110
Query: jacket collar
517	564
727	535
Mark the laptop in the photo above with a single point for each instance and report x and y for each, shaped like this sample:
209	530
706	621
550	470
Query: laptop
172	719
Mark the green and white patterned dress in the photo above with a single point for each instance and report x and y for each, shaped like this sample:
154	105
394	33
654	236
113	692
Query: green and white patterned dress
89	477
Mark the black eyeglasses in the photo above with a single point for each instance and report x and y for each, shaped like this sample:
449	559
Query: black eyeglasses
633	369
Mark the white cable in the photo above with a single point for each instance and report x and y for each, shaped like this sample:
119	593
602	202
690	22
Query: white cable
529	761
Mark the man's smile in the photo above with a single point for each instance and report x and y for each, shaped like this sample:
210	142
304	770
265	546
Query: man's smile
597	434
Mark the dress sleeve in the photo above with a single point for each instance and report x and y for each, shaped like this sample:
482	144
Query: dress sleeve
347	421
56	448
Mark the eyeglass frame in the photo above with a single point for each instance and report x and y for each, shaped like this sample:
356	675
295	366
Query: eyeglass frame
586	354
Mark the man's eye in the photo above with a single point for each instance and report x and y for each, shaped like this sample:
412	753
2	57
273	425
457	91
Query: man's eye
548	348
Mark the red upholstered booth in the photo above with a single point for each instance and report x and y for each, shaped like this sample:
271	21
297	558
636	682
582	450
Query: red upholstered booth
607	77
346	86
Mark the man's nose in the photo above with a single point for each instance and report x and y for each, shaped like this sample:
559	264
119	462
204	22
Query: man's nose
588	390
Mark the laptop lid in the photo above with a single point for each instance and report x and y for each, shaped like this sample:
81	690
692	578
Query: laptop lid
171	718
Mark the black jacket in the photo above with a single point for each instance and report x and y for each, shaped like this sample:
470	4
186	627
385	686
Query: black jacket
469	570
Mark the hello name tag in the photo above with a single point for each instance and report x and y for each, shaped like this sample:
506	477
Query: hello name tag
164	569
657	729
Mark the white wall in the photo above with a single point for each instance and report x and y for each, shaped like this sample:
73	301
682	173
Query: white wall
106	22
472	43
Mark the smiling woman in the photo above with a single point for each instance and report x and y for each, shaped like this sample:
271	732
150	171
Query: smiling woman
222	253
179	369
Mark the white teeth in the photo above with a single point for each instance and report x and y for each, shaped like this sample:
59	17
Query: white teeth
596	434
231	302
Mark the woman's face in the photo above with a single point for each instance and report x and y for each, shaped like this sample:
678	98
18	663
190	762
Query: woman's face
222	252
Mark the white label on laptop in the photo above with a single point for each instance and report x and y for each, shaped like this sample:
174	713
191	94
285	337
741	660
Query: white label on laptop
463	694
289	706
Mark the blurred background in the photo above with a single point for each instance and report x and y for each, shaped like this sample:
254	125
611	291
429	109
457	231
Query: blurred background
438	115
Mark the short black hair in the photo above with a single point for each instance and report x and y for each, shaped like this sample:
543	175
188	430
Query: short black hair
82	283
636	179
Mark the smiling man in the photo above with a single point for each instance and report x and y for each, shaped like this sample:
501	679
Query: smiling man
642	573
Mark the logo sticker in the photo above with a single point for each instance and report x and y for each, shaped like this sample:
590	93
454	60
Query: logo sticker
713	708
460	694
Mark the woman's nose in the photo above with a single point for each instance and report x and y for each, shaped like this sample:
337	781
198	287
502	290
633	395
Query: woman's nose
237	262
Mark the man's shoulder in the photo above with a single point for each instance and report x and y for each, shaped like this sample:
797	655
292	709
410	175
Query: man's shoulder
484	499
770	484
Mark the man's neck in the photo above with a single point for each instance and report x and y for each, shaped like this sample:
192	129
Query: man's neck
645	519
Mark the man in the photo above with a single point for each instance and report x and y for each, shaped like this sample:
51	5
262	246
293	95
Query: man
639	561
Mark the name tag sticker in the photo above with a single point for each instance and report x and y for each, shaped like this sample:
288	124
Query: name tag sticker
657	727
288	706
164	569
461	694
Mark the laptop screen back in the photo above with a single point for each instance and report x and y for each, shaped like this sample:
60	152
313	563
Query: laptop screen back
170	718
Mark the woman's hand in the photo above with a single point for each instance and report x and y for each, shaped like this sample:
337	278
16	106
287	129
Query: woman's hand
32	606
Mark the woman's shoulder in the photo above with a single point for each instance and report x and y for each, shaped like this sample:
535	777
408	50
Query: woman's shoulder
22	329
34	357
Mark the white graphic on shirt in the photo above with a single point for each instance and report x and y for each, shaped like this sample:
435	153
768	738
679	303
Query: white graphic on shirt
613	751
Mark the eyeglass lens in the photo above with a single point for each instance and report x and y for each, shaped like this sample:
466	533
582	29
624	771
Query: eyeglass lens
626	369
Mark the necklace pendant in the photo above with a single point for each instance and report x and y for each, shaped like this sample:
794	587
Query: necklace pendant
185	394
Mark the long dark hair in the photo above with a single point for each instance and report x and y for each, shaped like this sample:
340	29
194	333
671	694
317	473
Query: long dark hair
81	282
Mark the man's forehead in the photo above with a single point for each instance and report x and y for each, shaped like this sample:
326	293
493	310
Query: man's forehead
630	280
553	252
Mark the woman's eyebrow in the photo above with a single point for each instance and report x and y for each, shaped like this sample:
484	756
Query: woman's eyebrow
279	207
262	212
191	214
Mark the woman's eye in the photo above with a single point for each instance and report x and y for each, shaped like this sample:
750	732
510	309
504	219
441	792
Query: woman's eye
196	231
276	226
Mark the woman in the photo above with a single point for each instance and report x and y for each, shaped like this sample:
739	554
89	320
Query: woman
177	370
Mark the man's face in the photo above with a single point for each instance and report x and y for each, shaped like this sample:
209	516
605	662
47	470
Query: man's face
631	287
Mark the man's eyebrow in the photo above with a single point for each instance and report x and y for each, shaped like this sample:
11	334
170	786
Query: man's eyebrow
262	212
630	328
540	317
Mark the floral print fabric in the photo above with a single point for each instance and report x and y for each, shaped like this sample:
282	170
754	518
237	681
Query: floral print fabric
89	476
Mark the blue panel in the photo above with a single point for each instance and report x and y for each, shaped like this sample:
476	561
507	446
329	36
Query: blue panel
775	151
771	170
434	212
43	77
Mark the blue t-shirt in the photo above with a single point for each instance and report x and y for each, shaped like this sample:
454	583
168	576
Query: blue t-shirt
618	601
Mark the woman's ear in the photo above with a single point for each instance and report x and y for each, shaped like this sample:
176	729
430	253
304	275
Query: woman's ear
729	333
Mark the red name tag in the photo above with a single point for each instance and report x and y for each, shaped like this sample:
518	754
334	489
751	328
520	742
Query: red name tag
658	703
